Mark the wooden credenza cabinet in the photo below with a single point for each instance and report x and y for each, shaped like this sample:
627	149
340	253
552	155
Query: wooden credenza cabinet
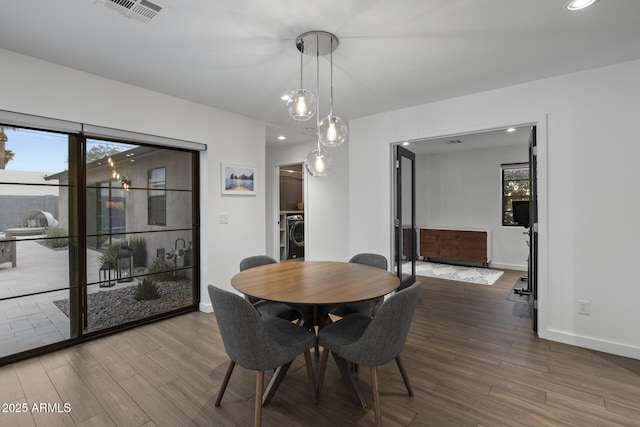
455	245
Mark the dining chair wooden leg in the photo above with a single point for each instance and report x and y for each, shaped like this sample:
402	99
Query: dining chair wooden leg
258	414
376	396
312	377
275	382
405	377
346	374
315	324
323	367
225	381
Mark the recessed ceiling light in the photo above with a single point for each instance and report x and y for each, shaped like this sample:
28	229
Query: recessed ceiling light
511	130
579	4
282	137
405	143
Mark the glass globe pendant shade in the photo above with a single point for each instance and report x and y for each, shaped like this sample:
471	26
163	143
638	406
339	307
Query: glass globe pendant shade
301	104
318	163
332	131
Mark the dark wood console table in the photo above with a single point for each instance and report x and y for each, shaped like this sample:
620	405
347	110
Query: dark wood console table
455	245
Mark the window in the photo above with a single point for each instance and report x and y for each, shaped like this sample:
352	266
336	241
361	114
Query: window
157	206
516	186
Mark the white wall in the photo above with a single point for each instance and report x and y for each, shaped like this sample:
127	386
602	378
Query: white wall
587	154
461	189
326	203
40	88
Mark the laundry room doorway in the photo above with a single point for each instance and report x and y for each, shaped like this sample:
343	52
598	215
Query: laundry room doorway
291	233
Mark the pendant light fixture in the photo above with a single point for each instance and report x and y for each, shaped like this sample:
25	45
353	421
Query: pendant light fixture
301	104
332	130
318	161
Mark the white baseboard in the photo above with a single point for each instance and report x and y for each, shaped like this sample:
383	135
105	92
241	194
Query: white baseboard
508	266
591	343
205	307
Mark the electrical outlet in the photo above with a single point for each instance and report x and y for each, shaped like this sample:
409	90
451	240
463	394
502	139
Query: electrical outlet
584	307
223	219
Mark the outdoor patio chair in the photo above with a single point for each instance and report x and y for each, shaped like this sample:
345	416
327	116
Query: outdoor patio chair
8	250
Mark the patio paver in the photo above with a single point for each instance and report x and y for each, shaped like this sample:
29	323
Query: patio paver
33	321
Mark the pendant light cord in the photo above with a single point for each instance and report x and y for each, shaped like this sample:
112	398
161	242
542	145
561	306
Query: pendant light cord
318	89
331	76
301	49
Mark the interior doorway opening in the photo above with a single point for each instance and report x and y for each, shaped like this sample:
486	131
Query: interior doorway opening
458	187
291	212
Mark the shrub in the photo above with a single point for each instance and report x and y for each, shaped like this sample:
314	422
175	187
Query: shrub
139	247
110	253
57	237
161	270
147	290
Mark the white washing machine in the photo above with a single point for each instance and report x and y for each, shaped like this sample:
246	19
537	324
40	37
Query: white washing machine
295	236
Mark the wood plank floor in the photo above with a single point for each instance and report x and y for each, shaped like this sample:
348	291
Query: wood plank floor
471	357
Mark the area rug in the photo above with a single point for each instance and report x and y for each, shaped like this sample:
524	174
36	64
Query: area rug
477	275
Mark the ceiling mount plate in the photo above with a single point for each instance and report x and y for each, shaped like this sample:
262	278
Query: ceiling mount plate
316	43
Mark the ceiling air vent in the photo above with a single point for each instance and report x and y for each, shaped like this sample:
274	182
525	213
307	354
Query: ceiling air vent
142	10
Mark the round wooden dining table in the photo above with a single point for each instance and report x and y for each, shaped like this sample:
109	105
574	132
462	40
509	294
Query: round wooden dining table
314	288
315	282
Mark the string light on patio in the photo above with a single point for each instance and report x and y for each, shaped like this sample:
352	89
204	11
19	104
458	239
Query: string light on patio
126	183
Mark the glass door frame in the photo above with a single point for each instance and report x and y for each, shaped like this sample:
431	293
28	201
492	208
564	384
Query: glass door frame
532	266
403	155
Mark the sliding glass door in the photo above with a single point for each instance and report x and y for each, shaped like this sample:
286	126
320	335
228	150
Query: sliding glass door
140	232
96	234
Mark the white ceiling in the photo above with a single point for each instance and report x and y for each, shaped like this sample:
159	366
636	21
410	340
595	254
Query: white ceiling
240	55
473	141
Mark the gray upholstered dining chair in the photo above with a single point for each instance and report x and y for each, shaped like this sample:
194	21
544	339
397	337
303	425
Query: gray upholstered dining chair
259	344
368	307
372	342
267	308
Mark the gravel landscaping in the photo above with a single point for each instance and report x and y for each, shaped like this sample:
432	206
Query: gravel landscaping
118	306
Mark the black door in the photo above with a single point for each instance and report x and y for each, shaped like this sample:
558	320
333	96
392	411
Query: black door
533	229
405	217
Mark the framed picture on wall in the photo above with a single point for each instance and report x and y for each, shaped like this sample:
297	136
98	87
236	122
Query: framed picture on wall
237	180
